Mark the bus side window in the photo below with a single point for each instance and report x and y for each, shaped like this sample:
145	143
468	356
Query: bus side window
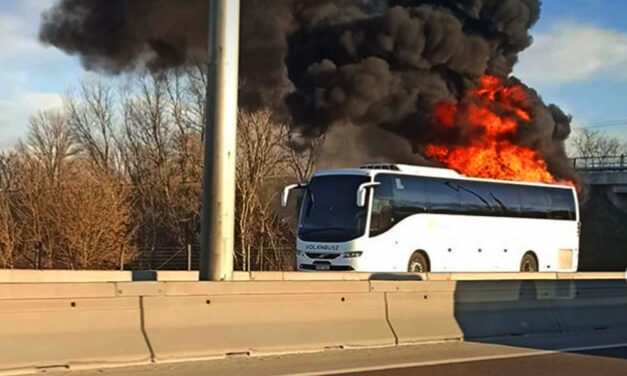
474	198
562	204
443	197
507	198
397	198
381	219
534	203
410	199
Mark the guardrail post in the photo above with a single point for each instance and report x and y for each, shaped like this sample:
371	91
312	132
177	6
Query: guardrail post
249	269
39	256
122	257
189	257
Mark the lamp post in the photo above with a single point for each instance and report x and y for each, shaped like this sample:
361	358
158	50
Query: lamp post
218	198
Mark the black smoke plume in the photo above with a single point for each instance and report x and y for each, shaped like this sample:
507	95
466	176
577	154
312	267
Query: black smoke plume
369	69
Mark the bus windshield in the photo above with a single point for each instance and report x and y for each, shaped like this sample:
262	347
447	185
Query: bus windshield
329	211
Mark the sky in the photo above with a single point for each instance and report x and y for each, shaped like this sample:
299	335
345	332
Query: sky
578	61
32	76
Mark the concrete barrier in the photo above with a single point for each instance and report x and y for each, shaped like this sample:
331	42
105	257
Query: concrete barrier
210	321
591	305
486	309
264	287
91	276
72	327
88	276
301	276
62	276
353	276
475	310
455	310
421	312
165	276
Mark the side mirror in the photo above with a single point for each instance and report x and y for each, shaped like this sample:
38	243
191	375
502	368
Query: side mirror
285	196
362	192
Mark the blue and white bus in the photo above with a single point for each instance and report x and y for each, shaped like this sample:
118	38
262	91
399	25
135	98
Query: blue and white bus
397	218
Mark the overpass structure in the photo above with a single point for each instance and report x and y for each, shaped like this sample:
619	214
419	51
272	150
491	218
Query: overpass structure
607	175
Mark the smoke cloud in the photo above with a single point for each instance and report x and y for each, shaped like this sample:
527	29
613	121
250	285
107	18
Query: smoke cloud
376	68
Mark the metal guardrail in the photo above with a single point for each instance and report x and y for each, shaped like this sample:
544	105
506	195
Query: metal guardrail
607	163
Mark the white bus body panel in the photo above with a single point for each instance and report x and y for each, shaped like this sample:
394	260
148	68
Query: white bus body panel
454	243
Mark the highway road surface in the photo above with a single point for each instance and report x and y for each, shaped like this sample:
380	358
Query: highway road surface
597	353
611	361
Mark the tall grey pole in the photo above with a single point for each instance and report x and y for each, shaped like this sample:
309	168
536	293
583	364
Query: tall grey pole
218	203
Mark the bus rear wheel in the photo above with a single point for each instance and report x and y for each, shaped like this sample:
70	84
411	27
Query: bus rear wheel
529	263
418	263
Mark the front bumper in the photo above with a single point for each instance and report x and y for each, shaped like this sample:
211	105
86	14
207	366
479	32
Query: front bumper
336	264
325	268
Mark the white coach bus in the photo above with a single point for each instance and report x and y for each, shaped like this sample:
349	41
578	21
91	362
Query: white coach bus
397	218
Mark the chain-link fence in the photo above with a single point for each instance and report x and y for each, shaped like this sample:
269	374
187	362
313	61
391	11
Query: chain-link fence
266	259
187	258
166	258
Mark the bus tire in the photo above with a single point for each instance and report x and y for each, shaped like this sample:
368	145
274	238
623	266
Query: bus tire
418	263
529	263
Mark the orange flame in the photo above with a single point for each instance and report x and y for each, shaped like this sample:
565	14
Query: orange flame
493	116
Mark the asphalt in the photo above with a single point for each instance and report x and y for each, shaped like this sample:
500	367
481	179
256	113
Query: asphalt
607	362
595	353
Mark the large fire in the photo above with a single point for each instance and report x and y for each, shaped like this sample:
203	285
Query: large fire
489	116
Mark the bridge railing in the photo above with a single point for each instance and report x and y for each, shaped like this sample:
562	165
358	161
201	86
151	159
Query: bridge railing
606	163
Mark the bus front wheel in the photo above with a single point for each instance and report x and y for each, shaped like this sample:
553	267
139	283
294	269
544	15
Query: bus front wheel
418	263
529	263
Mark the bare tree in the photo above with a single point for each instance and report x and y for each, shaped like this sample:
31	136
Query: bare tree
303	154
145	151
261	159
94	212
42	162
118	171
61	211
589	143
187	102
8	171
9	232
186	88
162	158
50	142
91	118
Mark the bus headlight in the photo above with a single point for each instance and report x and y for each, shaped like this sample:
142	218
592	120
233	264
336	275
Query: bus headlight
352	254
300	253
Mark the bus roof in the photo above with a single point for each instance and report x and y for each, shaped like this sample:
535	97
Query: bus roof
434	172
